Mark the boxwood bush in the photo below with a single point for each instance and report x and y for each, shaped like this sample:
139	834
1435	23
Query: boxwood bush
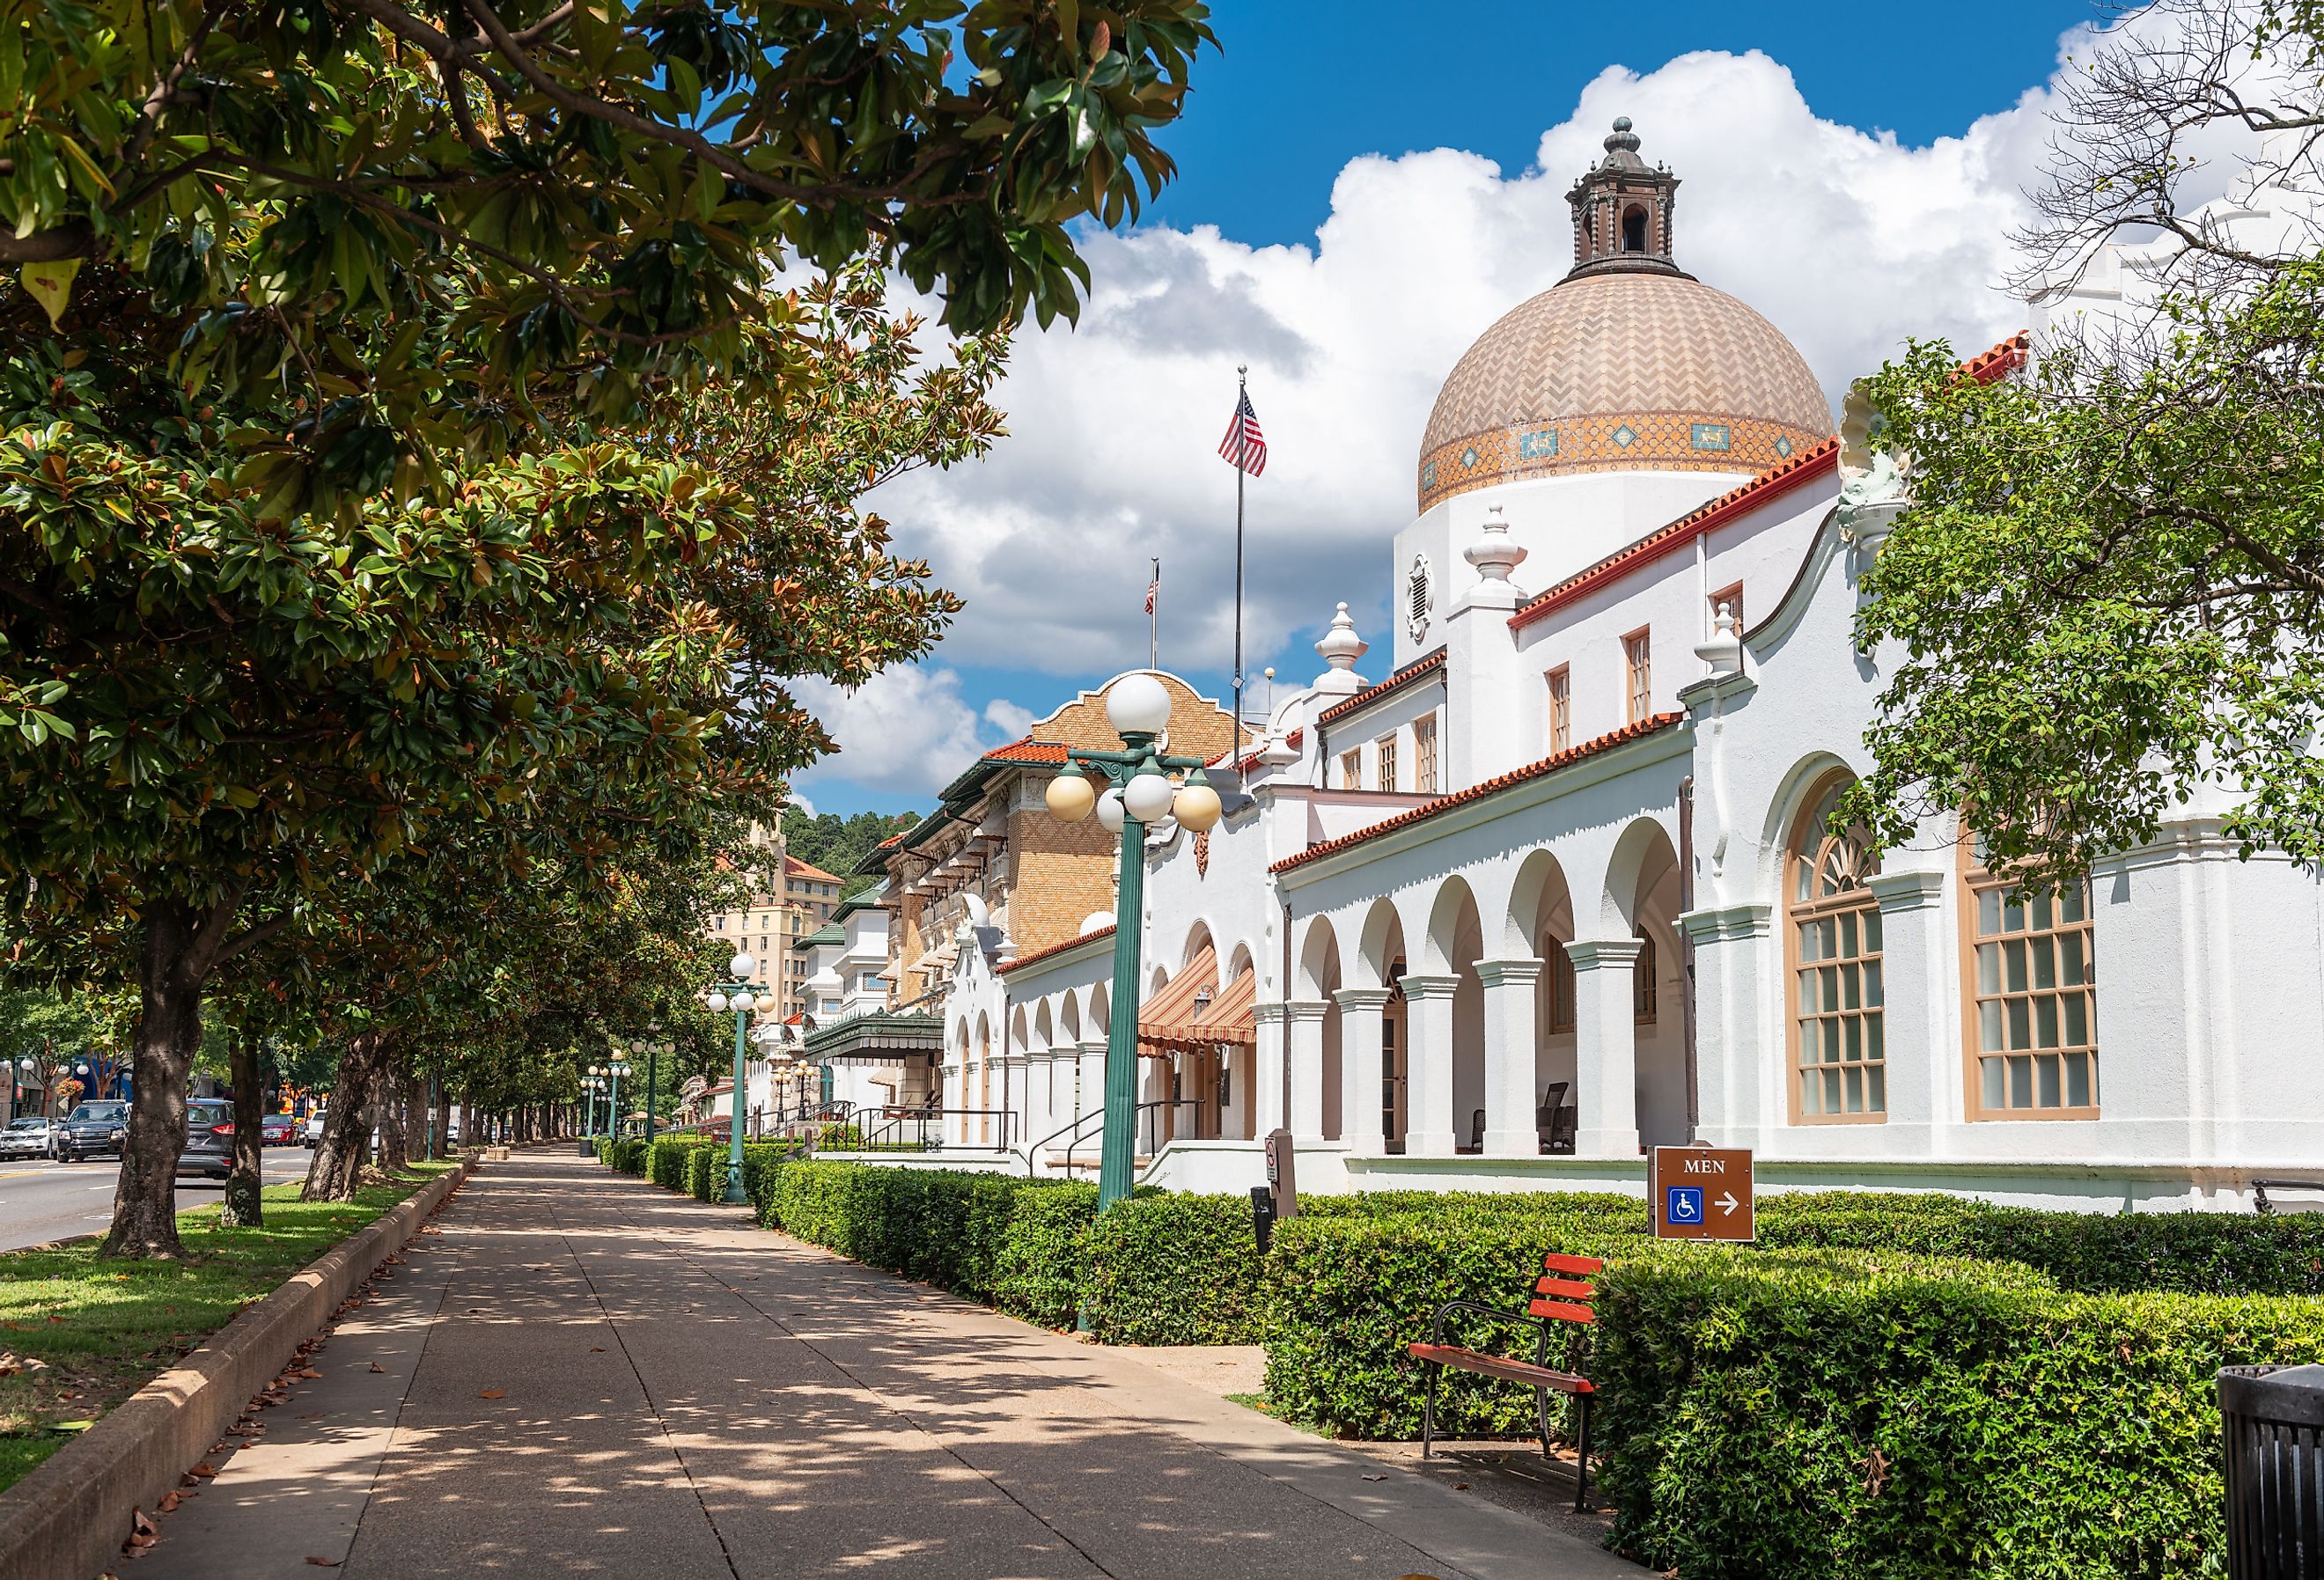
1169	1268
1811	1414
628	1156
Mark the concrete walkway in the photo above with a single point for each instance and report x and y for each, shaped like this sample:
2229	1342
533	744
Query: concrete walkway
583	1374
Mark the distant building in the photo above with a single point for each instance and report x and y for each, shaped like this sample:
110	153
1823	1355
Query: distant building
789	900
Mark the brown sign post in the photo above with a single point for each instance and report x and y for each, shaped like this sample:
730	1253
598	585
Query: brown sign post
1703	1193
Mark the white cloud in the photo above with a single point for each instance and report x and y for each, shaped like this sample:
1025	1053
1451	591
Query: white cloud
1010	719
908	731
1849	242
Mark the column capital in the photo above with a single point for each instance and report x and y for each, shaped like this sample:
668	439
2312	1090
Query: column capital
1907	890
1362	998
1270	1015
1308	1009
1719	923
1430	984
1602	954
1513	973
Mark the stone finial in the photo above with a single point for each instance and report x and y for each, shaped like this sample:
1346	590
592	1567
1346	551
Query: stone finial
1723	649
1340	648
1493	551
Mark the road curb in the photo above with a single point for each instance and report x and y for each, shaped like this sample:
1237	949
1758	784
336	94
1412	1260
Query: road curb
66	1520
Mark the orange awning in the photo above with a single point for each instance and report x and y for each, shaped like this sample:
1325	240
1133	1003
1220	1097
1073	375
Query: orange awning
1191	1010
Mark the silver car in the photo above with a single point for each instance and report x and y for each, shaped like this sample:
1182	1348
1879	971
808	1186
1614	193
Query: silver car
29	1137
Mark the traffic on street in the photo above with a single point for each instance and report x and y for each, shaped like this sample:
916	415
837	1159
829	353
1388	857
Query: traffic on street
41	1200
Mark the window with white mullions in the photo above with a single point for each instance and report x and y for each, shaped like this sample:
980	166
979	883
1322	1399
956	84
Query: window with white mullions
2033	999
1838	1040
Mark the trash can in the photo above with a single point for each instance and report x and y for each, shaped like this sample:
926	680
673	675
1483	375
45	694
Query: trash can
587	1149
2274	1422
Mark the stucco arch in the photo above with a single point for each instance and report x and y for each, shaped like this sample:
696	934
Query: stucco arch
1199	936
1381	945
1018	1042
1238	962
1318	959
1043	1030
1450	913
1069	1018
1644	848
1539	891
1101	1017
1783	810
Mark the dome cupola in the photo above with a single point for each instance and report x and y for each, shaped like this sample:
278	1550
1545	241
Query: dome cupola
1628	364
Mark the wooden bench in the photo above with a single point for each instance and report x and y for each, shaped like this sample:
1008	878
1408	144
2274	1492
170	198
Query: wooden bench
1563	1293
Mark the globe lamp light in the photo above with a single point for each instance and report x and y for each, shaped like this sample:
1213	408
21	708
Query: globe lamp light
1148	797
1109	811
1071	796
1138	704
742	964
717	1004
1197	806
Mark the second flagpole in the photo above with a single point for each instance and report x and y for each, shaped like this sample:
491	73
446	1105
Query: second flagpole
1242	393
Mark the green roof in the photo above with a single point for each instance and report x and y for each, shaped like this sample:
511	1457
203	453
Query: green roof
883	1035
830	933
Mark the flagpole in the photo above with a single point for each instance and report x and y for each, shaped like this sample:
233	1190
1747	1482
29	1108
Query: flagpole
1154	618
1242	393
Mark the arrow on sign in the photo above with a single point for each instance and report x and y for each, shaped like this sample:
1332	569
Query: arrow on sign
1728	1204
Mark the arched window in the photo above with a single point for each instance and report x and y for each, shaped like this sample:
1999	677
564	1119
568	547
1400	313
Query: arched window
2032	975
1833	928
1634	230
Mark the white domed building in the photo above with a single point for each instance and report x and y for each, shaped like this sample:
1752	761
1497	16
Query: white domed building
1558	888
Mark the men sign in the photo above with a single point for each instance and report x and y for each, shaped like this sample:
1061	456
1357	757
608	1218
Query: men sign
1701	1193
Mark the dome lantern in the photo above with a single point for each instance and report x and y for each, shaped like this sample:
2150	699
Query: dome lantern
1622	213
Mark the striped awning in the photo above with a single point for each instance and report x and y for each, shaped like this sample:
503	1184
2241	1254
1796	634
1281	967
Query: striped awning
1192	1010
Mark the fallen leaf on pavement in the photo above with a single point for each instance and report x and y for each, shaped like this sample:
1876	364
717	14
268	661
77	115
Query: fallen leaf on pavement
491	1393
1375	1478
204	1469
141	1533
309	1372
169	1503
322	1563
596	1349
1459	1486
377	1367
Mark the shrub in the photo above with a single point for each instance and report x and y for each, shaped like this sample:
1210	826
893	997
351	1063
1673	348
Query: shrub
1044	1255
670	1158
1810	1414
628	1157
1175	1270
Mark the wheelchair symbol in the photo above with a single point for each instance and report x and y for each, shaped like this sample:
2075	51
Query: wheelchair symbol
1684	1204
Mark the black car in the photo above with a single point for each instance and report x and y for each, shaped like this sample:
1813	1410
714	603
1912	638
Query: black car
92	1128
209	1139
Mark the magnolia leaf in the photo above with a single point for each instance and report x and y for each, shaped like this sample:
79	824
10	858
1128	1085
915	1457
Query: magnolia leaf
51	285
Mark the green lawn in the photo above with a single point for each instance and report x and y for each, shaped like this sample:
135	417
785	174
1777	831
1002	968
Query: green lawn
100	1330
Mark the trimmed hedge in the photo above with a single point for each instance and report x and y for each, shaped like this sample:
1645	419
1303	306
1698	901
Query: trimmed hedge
628	1157
1168	1269
1811	1414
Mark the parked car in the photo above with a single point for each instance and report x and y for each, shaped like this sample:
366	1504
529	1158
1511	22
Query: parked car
279	1130
209	1139
29	1137
90	1130
311	1135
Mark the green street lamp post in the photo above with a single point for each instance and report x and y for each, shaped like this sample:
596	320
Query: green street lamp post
741	996
614	1072
593	1083
1139	793
653	1051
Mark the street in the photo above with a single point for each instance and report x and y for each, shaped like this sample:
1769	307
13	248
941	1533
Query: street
41	1201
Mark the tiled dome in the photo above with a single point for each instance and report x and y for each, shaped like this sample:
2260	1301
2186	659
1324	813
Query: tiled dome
1638	372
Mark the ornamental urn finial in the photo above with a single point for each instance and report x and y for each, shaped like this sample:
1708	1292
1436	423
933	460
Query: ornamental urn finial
1341	647
1494	552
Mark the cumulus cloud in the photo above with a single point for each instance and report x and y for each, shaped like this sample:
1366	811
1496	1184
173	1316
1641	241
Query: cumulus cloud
1849	242
908	731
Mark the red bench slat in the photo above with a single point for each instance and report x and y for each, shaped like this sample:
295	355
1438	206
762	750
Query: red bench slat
1562	1310
1572	1288
1486	1366
1557	1262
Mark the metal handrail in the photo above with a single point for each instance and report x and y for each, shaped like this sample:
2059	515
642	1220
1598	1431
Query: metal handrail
2260	1204
899	1116
1098	1115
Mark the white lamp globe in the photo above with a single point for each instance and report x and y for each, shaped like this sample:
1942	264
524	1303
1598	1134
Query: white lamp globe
1196	808
1071	796
742	964
745	1001
1109	811
1138	703
718	1003
1148	797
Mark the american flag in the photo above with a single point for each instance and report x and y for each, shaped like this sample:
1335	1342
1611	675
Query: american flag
1244	446
1149	595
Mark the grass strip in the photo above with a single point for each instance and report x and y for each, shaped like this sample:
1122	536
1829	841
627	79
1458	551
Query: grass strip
80	1334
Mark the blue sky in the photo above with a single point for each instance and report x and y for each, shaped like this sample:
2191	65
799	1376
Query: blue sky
1362	188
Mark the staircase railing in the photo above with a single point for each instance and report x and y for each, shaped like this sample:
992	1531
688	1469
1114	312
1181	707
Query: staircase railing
1074	1131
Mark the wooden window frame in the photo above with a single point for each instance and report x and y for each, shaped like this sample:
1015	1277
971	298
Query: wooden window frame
1424	754
1797	914
1730	595
1639	674
1384	762
1560	681
1975	882
1563	1009
1644	986
1351	768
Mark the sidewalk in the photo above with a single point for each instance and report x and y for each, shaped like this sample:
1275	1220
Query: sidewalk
585	1374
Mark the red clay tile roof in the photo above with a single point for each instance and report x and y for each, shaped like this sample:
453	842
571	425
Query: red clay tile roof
1024	960
1985	366
1027	749
1251	762
795	868
1477	792
1412	671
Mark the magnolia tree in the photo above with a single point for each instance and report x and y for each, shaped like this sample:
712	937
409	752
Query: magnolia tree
401	423
2108	589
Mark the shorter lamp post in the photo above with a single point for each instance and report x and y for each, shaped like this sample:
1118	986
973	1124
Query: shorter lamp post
653	1051
741	996
613	1073
592	1081
1138	792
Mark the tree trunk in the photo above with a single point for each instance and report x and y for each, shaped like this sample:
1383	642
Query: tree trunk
468	1124
173	957
337	1166
242	1209
394	1150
